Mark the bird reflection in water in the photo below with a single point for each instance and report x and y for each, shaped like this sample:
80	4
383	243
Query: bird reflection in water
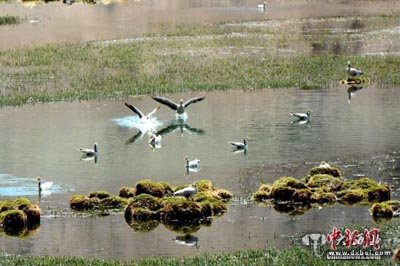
187	240
351	91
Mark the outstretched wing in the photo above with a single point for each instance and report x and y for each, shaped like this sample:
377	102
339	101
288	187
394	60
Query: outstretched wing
299	115
193	100
153	112
166	102
134	138
135	110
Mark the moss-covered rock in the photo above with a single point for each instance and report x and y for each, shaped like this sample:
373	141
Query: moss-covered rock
211	206
351	196
204	185
263	193
371	190
31	210
224	194
284	188
386	209
139	214
322	197
13	221
325	182
127	192
82	202
333	171
156	189
99	194
113	202
145	201
180	209
302	196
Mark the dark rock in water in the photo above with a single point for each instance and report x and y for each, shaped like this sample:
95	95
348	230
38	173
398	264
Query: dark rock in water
127	192
14	222
99	194
156	189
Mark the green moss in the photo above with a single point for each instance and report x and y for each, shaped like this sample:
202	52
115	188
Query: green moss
385	209
351	196
373	191
288	182
224	194
156	189
322	197
6	205
204	185
113	202
13	221
284	188
127	192
180	209
263	193
22	202
82	202
302	196
333	171
145	201
211	206
99	194
325	182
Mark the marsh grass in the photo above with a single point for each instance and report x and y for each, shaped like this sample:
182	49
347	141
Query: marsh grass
294	256
9	20
176	58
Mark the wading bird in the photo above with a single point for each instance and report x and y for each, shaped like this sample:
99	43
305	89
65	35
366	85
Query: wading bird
45	186
302	116
187	192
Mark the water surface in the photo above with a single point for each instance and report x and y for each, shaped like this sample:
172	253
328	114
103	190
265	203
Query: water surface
361	135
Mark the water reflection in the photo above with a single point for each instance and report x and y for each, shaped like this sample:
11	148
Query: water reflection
182	126
351	91
187	240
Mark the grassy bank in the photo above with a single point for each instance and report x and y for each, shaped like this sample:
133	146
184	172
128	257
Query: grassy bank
226	56
295	256
9	20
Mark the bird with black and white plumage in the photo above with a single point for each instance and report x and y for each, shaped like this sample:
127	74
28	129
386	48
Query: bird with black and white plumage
46	186
302	116
262	6
239	145
353	72
179	108
193	164
155	139
141	115
90	152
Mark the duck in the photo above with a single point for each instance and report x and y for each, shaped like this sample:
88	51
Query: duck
90	152
353	72
187	192
302	116
181	107
239	145
141	115
194	164
43	186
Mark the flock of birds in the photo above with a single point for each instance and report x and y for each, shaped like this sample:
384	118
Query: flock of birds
180	112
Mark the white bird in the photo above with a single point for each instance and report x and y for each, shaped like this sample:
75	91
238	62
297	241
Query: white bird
353	72
187	192
193	164
90	152
141	115
187	240
262	6
324	164
181	107
44	186
155	141
302	116
239	145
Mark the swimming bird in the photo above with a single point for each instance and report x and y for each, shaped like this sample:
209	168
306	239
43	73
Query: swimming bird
90	152
302	116
239	145
181	107
187	240
140	113
194	164
187	192
44	186
155	141
353	72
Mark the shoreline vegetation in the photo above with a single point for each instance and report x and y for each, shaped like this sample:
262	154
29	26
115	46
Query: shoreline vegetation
176	58
293	256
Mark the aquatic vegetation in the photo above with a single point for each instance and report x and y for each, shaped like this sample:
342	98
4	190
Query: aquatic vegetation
156	189
9	20
18	216
127	192
291	195
386	209
177	212
97	201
